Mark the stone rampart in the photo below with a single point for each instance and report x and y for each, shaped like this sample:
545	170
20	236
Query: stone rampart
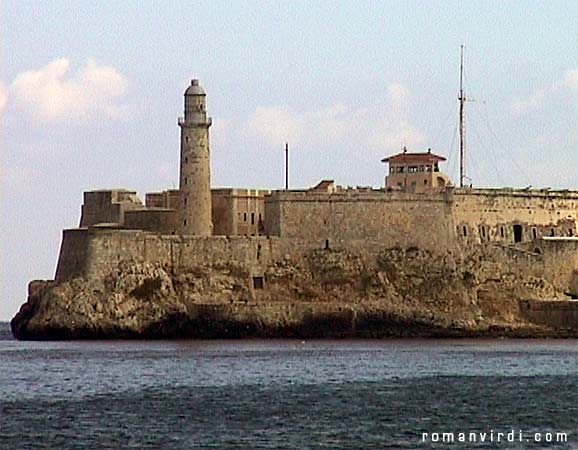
74	257
387	218
513	215
95	252
157	220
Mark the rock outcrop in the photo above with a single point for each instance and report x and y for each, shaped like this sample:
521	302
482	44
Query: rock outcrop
322	293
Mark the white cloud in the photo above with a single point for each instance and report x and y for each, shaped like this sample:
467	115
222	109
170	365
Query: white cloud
564	88
383	128
571	81
52	94
276	125
3	98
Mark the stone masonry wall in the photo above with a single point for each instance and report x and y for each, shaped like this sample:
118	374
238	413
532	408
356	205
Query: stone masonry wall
377	217
158	220
107	206
491	215
93	253
74	256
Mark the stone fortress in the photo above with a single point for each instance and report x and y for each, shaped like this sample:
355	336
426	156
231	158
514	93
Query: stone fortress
417	206
417	196
527	231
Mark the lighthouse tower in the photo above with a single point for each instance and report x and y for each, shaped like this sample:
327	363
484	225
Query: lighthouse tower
195	174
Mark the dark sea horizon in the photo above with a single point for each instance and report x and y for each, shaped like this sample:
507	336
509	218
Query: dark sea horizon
288	394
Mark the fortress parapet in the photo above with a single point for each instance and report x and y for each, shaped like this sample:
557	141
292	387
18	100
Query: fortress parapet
107	206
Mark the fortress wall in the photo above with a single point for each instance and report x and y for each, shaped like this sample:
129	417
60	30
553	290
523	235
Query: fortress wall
107	206
383	219
555	259
224	212
104	249
74	257
93	253
489	215
560	261
158	220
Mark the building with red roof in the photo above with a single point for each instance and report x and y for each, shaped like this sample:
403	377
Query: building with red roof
415	172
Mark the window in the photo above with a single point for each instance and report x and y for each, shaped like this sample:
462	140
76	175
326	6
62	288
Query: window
185	201
399	169
186	179
252	218
185	222
258	283
465	230
534	233
186	159
517	233
483	231
424	181
245	217
428	168
436	168
502	232
570	232
552	232
421	168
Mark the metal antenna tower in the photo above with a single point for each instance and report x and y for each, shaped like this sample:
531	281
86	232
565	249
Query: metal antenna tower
462	99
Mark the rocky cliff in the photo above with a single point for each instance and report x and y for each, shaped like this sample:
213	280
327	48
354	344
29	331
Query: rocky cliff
320	293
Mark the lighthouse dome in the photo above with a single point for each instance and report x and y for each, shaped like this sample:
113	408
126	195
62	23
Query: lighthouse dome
195	89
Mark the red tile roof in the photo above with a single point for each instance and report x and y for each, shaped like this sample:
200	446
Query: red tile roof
405	157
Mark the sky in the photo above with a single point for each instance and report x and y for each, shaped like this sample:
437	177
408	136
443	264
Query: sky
90	93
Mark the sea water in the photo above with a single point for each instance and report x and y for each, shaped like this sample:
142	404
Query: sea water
288	394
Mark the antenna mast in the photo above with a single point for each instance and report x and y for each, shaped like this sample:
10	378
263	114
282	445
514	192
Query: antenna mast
286	166
462	99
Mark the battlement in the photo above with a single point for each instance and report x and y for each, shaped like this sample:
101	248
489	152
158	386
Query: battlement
359	194
107	206
567	194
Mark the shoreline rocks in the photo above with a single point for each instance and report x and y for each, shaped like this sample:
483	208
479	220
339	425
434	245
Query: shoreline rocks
322	294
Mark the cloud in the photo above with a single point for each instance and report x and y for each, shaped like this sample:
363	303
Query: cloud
51	93
563	89
383	128
3	98
570	81
276	125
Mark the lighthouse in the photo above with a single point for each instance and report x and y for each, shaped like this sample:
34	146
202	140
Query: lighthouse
195	168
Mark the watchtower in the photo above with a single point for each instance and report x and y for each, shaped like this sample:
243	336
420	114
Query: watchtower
415	172
195	170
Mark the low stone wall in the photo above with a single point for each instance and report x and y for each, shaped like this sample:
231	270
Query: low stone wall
558	314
